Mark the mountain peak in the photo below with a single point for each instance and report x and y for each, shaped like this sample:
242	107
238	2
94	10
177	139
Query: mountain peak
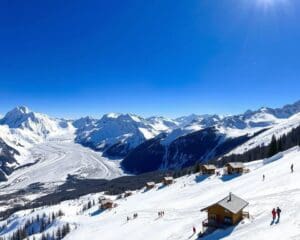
112	115
20	110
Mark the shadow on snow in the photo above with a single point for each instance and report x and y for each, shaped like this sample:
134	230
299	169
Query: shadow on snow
217	234
229	177
200	178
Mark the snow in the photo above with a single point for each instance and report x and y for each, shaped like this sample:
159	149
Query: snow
113	115
283	127
115	128
163	124
58	157
48	144
182	202
147	134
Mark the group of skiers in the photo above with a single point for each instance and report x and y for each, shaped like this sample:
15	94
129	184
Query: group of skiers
161	213
292	170
135	215
276	212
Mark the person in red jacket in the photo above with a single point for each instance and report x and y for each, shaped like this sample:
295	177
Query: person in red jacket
274	214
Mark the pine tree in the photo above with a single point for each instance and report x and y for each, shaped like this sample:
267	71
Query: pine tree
273	147
58	234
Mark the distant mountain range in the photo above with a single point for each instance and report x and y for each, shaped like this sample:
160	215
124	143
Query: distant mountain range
145	144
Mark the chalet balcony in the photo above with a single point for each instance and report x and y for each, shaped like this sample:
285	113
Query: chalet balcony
246	215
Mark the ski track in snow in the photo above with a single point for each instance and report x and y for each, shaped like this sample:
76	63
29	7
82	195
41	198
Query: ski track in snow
56	159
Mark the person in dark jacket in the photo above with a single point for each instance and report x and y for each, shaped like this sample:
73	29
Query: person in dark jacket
278	211
292	168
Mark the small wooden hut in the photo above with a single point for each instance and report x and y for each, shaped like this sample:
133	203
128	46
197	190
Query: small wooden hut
150	185
208	169
168	180
106	204
234	168
226	212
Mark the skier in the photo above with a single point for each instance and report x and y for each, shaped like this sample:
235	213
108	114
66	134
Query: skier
263	177
194	230
278	211
274	214
292	168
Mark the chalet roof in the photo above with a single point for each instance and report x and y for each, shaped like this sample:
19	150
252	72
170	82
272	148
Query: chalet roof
106	201
150	183
231	203
236	164
209	166
168	178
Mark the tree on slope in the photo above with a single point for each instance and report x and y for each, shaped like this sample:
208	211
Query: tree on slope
273	147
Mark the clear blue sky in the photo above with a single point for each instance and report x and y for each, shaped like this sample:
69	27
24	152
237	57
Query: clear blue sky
72	58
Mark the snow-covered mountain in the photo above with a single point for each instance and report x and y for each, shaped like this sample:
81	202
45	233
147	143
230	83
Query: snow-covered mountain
36	149
117	134
144	143
283	127
183	151
21	129
163	124
181	203
39	124
202	138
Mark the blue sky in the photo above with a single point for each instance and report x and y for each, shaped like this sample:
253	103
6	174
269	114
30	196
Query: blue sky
74	58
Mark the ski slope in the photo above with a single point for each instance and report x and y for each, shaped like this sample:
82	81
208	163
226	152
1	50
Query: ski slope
278	130
182	202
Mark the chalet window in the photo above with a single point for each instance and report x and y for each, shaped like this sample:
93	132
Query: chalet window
212	217
227	220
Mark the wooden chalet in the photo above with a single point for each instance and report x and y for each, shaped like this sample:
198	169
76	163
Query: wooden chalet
234	168
208	169
168	180
226	212
150	185
106	204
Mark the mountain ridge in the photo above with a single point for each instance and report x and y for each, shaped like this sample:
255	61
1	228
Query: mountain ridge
117	135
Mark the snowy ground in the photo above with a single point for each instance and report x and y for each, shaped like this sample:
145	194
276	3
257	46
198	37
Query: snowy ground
56	158
282	127
182	202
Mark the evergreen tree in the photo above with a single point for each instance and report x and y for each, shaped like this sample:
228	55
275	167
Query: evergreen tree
273	147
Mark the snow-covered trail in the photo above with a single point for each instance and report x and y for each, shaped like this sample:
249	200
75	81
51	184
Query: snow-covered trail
56	159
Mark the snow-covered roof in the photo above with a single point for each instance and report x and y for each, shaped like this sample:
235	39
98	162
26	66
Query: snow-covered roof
106	201
150	183
209	166
231	203
235	164
168	178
